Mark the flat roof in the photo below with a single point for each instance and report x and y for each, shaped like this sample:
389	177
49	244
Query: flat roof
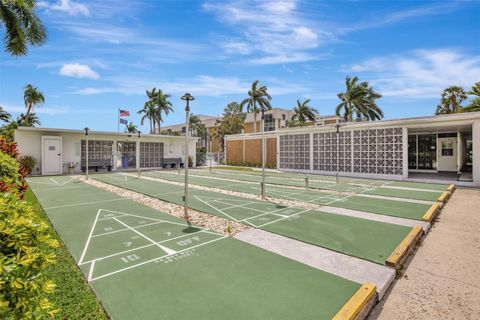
123	134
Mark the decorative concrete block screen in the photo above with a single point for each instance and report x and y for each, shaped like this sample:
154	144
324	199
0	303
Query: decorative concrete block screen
378	151
325	151
151	154
368	151
295	151
98	150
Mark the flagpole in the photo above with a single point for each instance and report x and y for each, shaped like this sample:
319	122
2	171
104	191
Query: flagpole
118	122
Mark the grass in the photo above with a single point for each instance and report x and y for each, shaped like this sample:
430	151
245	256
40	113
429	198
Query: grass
234	168
72	295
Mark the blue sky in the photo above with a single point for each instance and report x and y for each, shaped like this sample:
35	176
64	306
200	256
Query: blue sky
103	55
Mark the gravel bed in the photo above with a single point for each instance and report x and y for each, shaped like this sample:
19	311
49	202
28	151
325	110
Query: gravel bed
197	218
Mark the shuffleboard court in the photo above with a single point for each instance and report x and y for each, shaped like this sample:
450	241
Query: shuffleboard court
373	187
146	264
362	238
396	208
343	179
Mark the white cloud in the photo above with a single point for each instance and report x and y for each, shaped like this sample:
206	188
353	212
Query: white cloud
420	74
52	111
78	70
66	6
277	30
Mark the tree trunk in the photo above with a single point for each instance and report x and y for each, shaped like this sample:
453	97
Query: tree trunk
254	122
150	119
27	115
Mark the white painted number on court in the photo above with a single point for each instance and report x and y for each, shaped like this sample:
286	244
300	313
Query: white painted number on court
130	258
188	241
128	244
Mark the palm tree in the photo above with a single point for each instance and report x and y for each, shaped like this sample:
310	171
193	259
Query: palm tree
197	127
232	122
149	112
159	100
131	128
258	99
303	112
451	101
359	99
474	105
32	97
4	115
22	25
32	120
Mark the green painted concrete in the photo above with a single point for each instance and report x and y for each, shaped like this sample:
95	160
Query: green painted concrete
224	279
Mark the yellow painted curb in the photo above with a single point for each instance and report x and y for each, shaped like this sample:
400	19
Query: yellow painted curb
356	303
432	212
402	249
443	197
451	187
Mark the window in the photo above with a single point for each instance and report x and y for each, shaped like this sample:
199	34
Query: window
151	154
447	148
283	117
269	123
184	129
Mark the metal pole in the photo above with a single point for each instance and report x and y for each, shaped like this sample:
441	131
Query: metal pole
118	120
187	116
138	159
263	154
306	181
338	152
86	153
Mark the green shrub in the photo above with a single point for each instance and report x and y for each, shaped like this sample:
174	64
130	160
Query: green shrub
26	250
10	178
27	162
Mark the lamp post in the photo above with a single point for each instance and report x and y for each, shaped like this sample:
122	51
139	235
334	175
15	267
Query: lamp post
138	160
338	152
86	151
186	97
263	154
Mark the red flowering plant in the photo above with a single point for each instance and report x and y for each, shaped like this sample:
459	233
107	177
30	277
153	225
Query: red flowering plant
11	175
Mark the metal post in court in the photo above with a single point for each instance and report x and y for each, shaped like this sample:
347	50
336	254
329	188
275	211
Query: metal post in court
86	152
186	97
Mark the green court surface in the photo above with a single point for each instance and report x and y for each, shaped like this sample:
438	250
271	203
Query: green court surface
374	187
365	239
388	207
145	264
331	179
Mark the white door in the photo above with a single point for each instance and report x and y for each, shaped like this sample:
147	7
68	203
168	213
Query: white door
447	154
52	156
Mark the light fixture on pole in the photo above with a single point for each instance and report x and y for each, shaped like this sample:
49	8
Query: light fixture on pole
263	154
86	151
186	97
338	152
138	160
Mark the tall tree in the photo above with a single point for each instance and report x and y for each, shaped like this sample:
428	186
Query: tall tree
4	115
451	100
474	104
131	128
359	99
32	120
149	112
232	122
197	127
23	27
258	99
32	97
303	112
159	100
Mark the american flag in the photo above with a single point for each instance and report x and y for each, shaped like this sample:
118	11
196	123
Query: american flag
123	121
124	113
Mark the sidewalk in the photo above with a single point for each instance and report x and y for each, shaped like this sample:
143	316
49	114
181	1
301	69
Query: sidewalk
443	279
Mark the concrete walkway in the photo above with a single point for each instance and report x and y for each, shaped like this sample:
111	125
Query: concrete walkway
442	280
342	265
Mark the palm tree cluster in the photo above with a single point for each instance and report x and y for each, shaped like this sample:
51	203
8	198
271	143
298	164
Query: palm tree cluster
358	101
258	100
154	107
302	114
197	127
232	122
32	97
452	98
23	27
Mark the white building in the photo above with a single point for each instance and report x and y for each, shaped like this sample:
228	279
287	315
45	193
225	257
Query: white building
54	148
444	147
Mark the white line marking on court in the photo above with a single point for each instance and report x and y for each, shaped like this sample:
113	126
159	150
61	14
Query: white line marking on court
155	259
293	215
89	237
84	203
90	272
167	250
216	208
120	230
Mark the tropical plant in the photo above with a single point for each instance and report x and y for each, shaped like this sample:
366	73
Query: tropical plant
451	100
4	115
149	112
32	97
23	27
33	120
159	101
131	128
474	104
303	112
232	122
197	127
359	100
7	130
27	162
258	99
